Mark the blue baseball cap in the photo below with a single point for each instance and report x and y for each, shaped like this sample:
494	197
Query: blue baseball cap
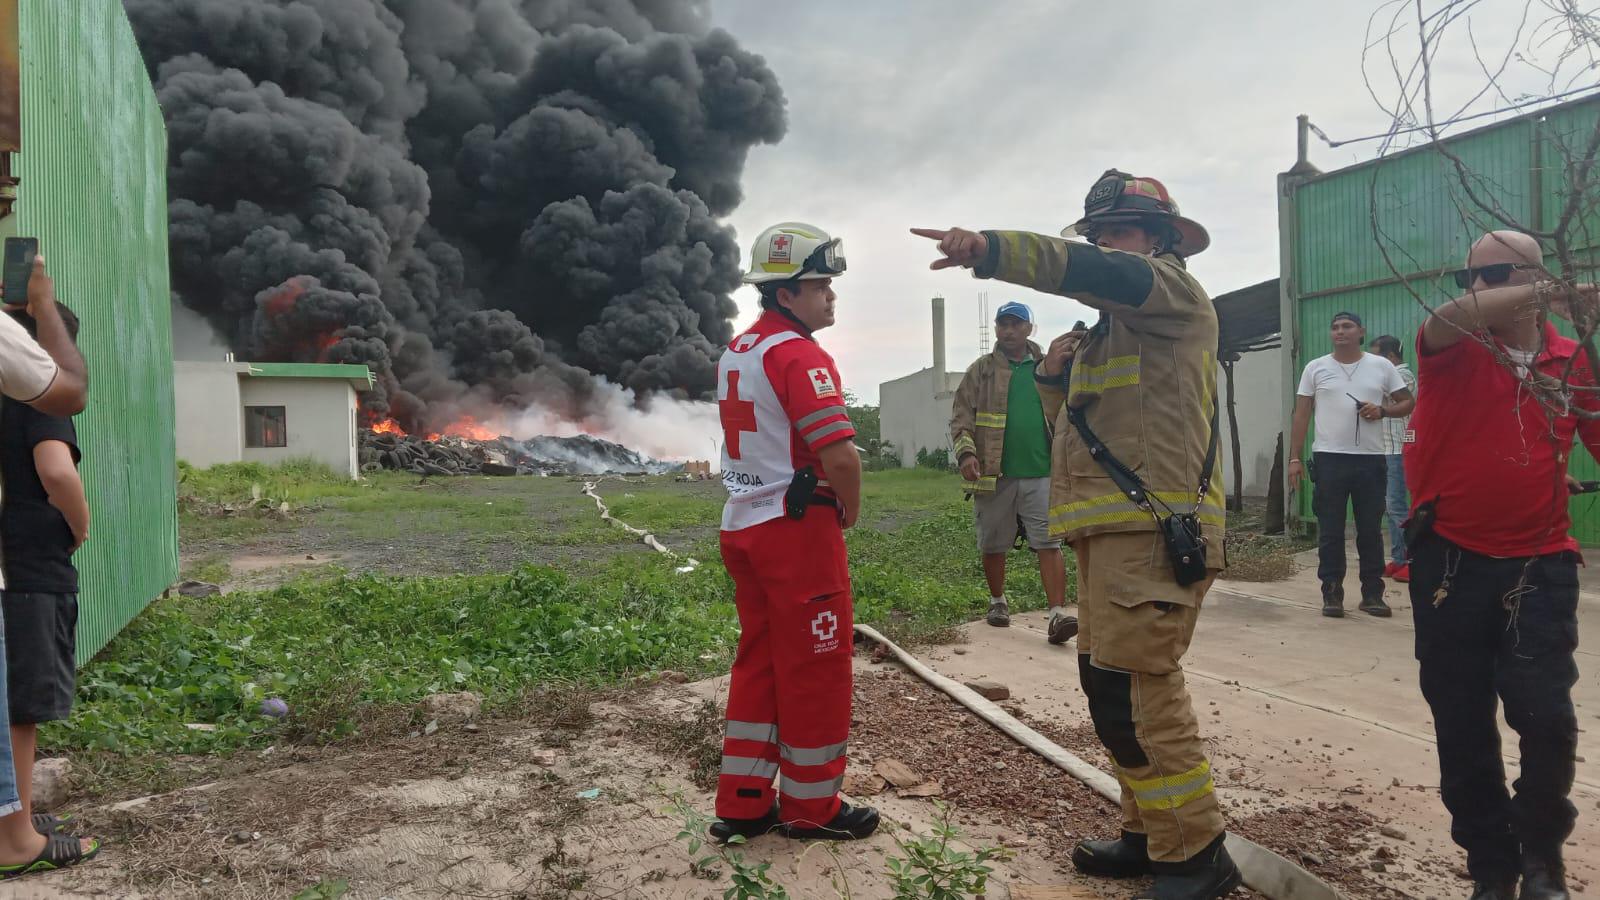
1014	308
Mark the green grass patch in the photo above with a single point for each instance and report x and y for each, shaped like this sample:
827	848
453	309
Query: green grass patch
349	653
297	482
213	568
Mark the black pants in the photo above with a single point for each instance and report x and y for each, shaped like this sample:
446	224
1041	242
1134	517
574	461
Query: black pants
1362	482
1504	629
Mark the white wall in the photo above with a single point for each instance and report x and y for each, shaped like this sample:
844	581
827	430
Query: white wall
1258	399
319	416
208	417
914	413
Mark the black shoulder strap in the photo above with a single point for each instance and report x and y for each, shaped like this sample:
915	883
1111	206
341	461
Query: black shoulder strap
1124	478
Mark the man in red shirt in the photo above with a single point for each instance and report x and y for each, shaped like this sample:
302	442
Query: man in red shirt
1494	587
783	420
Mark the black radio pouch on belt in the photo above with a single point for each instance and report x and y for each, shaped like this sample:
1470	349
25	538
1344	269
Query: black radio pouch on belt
1186	545
801	489
1420	525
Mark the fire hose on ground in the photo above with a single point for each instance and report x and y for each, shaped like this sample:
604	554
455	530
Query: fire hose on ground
1264	871
646	537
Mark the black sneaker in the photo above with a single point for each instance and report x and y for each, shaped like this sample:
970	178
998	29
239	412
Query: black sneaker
724	830
1207	875
1373	605
1062	628
1333	599
850	823
1126	857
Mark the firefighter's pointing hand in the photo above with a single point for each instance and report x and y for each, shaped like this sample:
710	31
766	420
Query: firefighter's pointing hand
959	246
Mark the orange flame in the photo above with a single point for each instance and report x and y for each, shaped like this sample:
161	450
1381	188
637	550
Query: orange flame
388	426
469	427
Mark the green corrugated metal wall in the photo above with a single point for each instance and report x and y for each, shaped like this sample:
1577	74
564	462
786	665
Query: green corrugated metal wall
1338	265
93	190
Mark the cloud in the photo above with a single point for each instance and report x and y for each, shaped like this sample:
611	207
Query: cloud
943	113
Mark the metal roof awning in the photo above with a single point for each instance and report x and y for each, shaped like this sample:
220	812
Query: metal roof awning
1248	320
360	377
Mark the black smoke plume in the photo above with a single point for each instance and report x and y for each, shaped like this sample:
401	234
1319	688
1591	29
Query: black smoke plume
486	201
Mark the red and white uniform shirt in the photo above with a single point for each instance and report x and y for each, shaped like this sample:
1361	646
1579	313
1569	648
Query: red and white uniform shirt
780	402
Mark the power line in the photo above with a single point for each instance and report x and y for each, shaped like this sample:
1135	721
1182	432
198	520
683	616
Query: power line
1447	123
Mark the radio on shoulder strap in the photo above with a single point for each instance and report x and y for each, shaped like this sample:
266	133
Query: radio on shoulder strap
1186	544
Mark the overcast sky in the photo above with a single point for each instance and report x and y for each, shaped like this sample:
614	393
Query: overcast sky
1002	115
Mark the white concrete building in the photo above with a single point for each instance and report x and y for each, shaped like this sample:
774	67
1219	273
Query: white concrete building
268	412
914	410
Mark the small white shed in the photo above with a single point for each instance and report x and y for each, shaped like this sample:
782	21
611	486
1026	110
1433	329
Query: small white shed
268	412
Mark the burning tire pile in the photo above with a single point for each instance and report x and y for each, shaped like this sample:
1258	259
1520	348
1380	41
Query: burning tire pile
545	455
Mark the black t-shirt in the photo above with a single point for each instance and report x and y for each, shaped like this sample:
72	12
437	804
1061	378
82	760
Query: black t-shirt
35	539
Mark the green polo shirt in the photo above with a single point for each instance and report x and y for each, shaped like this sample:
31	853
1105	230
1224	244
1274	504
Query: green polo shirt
1027	448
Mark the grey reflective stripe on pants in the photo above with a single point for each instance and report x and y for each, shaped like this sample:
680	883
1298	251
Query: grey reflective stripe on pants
810	790
746	767
813	756
752	731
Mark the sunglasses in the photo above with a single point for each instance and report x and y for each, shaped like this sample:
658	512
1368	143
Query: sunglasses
1498	273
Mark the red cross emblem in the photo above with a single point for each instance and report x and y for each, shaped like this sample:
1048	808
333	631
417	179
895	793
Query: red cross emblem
737	415
778	250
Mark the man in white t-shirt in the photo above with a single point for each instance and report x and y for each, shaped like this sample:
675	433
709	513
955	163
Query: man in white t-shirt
1347	390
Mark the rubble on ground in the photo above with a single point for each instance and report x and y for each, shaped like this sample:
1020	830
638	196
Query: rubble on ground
544	455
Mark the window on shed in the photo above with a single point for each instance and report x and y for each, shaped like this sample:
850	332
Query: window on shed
265	426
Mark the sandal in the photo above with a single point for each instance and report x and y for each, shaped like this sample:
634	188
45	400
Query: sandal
45	823
60	851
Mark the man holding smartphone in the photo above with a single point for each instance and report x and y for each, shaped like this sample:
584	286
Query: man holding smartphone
1346	389
48	375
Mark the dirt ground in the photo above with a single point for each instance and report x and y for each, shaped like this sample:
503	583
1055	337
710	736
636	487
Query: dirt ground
567	803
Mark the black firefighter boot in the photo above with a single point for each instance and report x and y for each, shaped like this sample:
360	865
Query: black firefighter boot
1543	877
1207	875
1126	857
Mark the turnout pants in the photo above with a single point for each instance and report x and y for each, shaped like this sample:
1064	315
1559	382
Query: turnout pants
1361	481
789	700
1134	625
1491	631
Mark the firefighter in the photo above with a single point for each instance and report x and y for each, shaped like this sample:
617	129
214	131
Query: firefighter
793	477
1002	444
1137	490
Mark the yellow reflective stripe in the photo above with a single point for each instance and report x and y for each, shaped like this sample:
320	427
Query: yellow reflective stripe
1116	372
1115	362
991	420
1172	791
1013	245
800	231
984	485
783	268
965	444
1108	509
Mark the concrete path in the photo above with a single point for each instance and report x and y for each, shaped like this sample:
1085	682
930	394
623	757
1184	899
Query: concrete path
1302	710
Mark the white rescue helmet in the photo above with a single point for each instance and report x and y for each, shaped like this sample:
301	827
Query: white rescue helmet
794	250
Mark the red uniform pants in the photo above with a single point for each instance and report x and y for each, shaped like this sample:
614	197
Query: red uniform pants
789	700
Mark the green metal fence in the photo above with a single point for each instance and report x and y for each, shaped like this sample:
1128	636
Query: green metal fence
93	190
1334	261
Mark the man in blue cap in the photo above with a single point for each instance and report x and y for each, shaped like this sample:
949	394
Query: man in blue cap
1002	443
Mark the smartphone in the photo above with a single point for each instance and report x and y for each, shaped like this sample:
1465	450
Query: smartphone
19	256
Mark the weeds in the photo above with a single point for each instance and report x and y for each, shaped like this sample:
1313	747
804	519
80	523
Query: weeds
748	881
933	869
